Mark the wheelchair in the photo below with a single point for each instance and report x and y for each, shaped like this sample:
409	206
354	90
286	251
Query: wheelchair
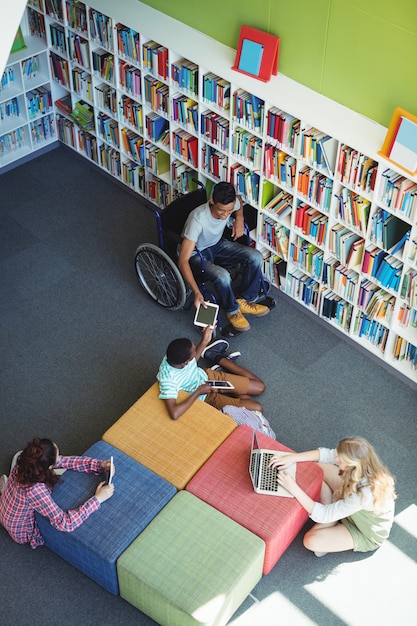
156	265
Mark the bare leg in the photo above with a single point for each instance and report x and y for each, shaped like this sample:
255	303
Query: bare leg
256	385
332	537
328	538
250	403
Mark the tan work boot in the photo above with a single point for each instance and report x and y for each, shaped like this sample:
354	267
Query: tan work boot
252	308
238	321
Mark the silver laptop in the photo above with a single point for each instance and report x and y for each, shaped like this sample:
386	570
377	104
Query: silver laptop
264	478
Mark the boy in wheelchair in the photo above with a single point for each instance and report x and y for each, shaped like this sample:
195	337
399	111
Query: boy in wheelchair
203	230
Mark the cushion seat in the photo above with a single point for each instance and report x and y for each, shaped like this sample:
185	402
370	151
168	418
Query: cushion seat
224	482
174	449
95	546
191	566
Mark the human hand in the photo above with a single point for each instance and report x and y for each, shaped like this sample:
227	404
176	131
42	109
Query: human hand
106	465
205	389
238	229
281	462
104	491
198	299
286	481
207	334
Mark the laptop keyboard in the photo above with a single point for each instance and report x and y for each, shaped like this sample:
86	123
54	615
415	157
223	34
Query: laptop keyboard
268	480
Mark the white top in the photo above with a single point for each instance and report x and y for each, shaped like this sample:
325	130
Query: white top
204	229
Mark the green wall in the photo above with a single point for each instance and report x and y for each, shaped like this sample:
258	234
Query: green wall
361	53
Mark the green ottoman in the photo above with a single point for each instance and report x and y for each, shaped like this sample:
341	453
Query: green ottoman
191	565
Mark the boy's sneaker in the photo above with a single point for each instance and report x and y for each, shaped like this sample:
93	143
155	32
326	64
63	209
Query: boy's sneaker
238	321
215	351
233	356
252	308
3	481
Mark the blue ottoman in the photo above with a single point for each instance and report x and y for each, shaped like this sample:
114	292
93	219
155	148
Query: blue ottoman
96	545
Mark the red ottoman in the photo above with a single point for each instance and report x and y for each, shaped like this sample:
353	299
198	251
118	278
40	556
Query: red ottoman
224	483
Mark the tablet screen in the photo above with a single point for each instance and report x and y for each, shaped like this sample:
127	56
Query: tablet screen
206	316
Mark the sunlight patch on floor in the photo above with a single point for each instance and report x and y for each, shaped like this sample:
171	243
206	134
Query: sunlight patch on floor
275	609
407	519
380	589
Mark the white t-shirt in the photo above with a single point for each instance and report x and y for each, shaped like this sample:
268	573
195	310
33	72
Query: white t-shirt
202	228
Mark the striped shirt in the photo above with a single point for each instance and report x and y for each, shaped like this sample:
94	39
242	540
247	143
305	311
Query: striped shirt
172	379
18	504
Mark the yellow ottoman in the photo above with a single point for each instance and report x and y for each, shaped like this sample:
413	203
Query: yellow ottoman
173	449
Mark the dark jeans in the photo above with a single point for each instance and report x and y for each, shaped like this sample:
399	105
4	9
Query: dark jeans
226	254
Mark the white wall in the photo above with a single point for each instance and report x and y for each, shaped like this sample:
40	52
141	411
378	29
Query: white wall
11	12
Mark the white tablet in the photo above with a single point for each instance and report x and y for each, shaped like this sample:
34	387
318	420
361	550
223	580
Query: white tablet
206	316
220	384
111	472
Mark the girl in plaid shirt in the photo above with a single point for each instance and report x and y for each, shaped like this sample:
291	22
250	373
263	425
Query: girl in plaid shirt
29	489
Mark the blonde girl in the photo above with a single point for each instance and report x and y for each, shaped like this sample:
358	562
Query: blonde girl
356	508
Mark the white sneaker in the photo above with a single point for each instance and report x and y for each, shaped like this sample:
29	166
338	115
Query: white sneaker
319	554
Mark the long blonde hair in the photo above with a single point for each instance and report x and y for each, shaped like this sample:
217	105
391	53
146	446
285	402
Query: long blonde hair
364	467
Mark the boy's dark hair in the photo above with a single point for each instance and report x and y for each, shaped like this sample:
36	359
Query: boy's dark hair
224	193
179	351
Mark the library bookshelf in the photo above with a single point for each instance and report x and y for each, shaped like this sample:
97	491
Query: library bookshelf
156	104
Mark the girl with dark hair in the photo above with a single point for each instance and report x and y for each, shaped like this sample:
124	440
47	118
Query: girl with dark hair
356	508
29	486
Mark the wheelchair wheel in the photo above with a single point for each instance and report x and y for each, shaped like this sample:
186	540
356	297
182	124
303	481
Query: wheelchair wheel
160	277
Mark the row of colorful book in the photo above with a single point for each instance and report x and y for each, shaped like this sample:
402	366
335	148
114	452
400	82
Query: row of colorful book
156	94
76	16
133	145
214	163
130	78
304	288
307	257
101	29
216	90
81	81
106	97
311	222
155	59
184	75
353	209
398	192
185	112
103	65
247	147
39	101
215	129
279	166
248	110
110	160
133	175
43	129
128	42
356	170
246	182
59	69
132	113
79	50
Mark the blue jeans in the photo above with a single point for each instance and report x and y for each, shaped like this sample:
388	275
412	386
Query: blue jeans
224	254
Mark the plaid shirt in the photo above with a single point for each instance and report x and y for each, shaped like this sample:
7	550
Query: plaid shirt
18	504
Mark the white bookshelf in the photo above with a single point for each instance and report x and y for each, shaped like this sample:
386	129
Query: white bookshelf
145	129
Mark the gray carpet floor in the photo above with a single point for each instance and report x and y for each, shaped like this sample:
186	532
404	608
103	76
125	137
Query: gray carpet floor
81	341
